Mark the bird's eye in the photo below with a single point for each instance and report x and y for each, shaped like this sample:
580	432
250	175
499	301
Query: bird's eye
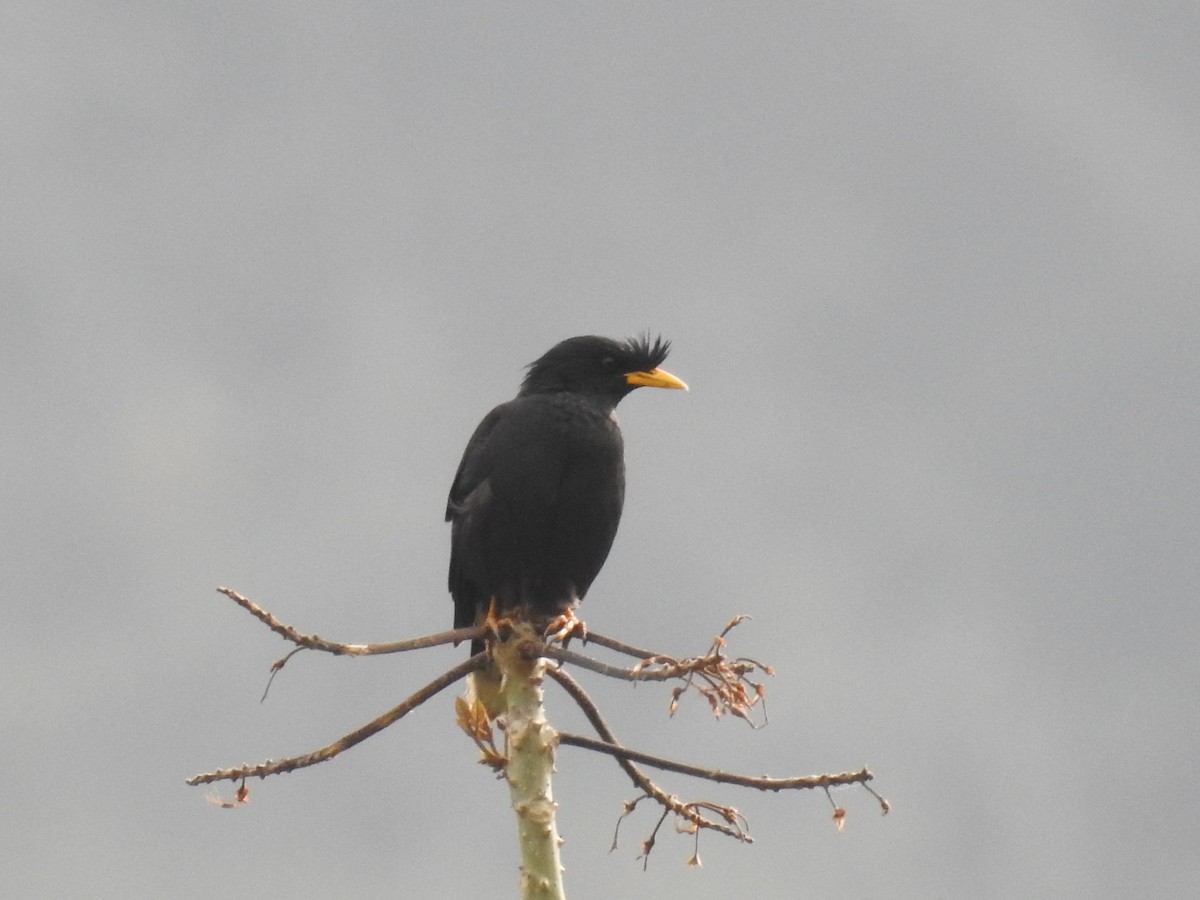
608	362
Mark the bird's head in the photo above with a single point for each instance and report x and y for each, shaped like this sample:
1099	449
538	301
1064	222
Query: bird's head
600	367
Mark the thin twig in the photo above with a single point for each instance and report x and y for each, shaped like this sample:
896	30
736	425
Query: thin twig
594	665
315	642
762	783
725	683
639	778
274	767
636	652
617	646
654	667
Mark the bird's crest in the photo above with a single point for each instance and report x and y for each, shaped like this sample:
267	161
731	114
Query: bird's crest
649	355
586	361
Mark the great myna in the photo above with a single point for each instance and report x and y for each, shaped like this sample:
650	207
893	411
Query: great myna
537	497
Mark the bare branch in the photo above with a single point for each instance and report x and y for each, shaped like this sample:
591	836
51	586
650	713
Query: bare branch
643	783
315	642
725	683
759	782
657	667
617	646
638	653
594	665
274	767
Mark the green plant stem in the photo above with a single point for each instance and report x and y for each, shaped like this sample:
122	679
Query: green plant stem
530	749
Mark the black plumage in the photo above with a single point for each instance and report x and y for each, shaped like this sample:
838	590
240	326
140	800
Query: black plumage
537	497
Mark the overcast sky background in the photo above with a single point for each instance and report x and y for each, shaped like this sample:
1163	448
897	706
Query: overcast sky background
932	271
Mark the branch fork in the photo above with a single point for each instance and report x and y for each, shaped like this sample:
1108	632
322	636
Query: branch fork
729	685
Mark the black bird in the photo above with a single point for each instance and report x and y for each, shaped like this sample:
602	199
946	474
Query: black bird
537	497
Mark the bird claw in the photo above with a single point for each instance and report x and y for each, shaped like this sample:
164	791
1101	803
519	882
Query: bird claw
564	627
493	622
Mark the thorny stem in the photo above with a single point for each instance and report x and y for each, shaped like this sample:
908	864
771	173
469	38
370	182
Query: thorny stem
529	744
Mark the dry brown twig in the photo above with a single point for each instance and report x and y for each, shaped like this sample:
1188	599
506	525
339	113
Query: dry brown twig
376	725
689	813
316	642
725	683
626	761
305	641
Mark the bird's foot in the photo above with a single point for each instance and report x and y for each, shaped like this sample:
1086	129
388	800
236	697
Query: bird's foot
566	626
493	622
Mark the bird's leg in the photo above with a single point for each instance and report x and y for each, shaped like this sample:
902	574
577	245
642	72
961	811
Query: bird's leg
565	626
493	621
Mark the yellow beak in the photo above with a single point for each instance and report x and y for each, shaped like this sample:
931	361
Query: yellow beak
655	378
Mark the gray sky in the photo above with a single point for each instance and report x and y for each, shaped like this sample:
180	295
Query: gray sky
931	271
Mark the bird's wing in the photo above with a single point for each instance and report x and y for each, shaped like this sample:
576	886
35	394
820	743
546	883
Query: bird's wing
469	487
474	466
508	467
513	454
